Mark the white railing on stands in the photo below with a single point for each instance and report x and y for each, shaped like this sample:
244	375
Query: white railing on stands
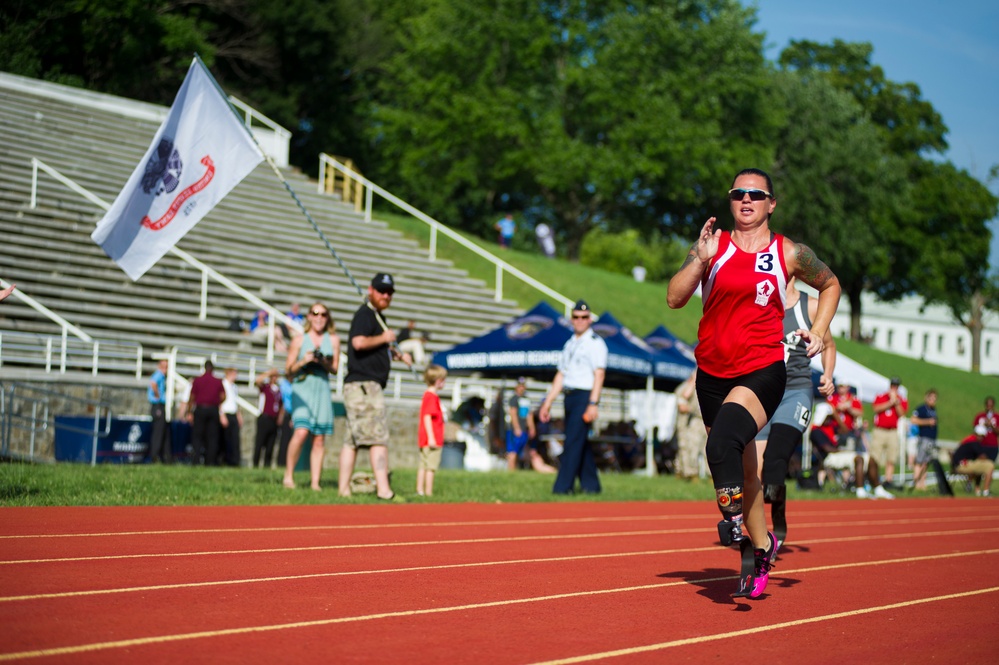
42	348
276	144
435	227
206	271
34	350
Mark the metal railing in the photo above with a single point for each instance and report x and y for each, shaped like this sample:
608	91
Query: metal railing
275	315
17	399
63	354
274	141
361	183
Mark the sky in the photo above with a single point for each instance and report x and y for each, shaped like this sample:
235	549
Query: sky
949	49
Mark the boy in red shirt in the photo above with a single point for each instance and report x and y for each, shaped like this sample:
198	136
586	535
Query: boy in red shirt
431	430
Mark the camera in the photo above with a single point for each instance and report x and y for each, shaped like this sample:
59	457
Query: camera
318	356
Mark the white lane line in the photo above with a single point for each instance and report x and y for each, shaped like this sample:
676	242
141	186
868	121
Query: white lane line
164	639
863	509
469	565
421	543
760	629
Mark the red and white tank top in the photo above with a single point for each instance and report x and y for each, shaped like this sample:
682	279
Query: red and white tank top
743	322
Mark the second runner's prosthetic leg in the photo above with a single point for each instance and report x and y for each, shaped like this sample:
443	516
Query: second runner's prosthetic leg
781	443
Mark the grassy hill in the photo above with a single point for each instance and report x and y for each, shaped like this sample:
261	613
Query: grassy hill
642	306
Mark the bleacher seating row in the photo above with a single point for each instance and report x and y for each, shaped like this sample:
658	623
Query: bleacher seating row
256	237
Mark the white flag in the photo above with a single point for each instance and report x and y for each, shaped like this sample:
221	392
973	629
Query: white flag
198	155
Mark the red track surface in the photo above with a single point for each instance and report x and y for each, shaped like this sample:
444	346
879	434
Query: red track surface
914	581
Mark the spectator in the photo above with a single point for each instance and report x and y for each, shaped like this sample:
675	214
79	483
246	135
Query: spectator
581	371
7	291
285	430
271	408
313	356
889	407
413	342
294	314
989	420
925	417
690	433
848	412
497	424
823	436
258	331
159	438
430	435
521	429
972	459
546	240
506	228
370	351
231	419
207	395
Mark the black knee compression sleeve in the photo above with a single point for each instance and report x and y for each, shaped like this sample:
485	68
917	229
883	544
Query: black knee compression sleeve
734	427
781	443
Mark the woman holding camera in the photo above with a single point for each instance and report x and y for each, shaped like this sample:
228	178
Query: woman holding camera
312	357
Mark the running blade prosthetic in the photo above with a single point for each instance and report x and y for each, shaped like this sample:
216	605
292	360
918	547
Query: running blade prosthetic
756	564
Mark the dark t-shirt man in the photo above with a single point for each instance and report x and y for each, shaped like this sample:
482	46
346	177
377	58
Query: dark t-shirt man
371	364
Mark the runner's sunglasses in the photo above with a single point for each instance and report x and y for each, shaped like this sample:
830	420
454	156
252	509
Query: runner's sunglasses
754	194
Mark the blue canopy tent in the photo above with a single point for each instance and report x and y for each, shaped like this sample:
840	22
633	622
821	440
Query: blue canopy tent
673	359
628	356
531	345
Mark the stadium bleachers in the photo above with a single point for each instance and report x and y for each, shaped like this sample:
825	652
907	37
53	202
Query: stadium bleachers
256	237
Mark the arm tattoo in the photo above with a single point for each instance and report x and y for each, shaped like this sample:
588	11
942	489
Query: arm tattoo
691	257
811	270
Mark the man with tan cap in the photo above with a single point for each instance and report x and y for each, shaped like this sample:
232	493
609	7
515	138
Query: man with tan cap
580	374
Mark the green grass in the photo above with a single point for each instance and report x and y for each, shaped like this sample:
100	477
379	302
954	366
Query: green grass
642	307
179	485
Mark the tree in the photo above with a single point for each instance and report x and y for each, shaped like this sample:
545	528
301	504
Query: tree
934	234
951	250
134	48
910	123
840	186
615	114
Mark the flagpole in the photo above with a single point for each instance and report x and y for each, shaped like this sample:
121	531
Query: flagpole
301	206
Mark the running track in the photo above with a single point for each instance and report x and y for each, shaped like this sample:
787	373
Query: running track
904	581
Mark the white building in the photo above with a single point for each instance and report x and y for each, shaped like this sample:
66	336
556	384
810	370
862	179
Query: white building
932	335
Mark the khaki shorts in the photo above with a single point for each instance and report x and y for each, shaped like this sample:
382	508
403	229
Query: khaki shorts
975	467
430	457
367	419
884	446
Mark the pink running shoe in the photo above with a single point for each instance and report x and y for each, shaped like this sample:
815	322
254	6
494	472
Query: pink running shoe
764	562
756	564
